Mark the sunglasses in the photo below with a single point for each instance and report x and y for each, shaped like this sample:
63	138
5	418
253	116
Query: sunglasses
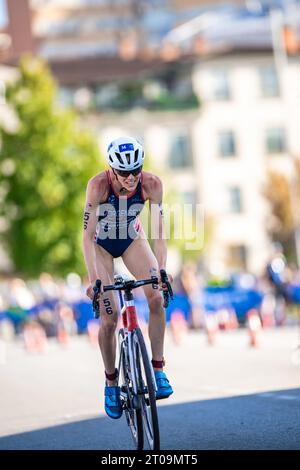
125	174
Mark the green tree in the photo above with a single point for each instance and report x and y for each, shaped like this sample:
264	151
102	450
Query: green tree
282	224
45	165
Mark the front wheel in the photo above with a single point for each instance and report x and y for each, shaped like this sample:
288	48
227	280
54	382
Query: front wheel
133	413
146	389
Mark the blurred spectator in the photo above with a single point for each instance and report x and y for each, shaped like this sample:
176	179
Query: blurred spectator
67	326
48	287
192	285
20	295
48	321
48	307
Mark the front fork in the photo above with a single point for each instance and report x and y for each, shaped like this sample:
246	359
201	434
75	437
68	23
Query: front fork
132	359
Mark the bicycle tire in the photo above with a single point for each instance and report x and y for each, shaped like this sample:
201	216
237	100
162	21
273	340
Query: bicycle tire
133	416
148	396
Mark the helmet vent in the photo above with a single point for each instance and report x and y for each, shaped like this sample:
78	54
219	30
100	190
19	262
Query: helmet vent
136	155
119	157
127	155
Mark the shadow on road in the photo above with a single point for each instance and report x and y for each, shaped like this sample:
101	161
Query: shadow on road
268	420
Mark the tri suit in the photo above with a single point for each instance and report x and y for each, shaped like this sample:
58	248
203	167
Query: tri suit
118	223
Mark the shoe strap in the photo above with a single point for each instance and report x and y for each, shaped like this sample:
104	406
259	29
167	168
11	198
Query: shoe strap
160	376
111	391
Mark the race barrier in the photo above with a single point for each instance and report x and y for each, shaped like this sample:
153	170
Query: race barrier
231	298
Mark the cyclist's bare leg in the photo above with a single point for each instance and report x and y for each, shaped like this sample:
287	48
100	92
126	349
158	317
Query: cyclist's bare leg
108	312
140	259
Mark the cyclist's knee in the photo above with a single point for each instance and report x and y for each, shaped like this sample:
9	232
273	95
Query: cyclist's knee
108	326
155	302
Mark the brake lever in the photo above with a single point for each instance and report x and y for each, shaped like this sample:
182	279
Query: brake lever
169	292
166	299
96	305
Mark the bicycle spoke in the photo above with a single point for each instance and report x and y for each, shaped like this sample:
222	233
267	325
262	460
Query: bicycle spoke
146	390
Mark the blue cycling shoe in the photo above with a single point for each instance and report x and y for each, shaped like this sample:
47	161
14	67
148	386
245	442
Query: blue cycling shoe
164	389
113	405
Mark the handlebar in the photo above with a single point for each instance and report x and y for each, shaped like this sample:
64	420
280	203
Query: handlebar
130	285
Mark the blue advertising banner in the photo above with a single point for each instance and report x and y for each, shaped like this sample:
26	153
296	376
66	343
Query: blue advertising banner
241	300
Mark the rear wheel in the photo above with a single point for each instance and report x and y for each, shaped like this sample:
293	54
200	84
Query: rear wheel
131	406
146	390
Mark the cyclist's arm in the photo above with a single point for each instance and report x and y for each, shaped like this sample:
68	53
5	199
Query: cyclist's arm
90	221
155	193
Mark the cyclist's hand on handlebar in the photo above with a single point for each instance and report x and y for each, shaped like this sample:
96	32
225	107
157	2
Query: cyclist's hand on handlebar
164	286
90	291
165	283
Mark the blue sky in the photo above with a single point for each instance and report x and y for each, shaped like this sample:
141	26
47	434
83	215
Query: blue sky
3	13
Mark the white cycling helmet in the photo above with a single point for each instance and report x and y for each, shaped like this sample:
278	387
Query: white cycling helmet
125	153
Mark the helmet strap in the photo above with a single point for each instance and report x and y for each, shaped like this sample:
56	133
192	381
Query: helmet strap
122	188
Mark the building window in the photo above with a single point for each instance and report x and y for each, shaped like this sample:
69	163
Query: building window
235	205
275	140
227	147
221	89
269	82
181	152
66	96
237	255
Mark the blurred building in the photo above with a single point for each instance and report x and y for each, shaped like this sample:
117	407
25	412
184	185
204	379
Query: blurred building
220	155
65	29
248	124
202	88
15	30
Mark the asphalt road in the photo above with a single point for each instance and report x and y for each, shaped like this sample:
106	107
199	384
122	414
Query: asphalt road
229	396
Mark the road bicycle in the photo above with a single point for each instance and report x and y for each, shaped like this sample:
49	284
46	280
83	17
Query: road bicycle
136	375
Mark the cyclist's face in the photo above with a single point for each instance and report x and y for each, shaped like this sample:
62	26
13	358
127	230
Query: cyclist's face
129	181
